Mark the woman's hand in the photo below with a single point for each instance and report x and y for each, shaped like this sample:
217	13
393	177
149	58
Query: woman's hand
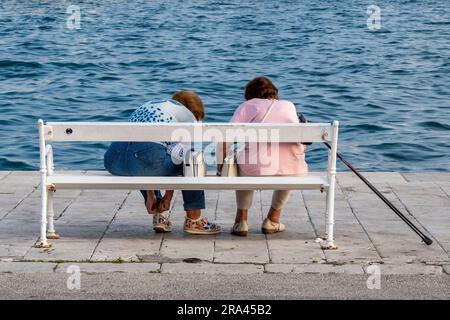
164	204
151	203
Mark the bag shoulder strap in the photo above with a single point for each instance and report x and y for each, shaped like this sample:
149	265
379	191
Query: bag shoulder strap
233	152
268	111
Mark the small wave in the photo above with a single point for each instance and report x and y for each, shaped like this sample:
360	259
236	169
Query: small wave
319	73
435	125
77	100
115	99
7	164
20	64
136	37
367	127
314	96
48	19
406	148
437	23
410	156
374	106
382	30
102	118
400	72
349	97
109	78
21	75
196	38
125	113
78	66
139	63
45	27
9	122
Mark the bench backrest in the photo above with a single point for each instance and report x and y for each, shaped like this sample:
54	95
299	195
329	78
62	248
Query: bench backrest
188	132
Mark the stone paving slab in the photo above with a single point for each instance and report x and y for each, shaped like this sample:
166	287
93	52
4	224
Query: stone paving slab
287	251
111	267
125	249
314	268
4	174
179	246
411	269
426	177
203	268
446	268
446	190
214	268
251	249
16	252
113	226
353	250
128	241
19	179
27	267
64	250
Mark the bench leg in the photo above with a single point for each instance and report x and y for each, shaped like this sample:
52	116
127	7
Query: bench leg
43	243
327	208
51	233
328	243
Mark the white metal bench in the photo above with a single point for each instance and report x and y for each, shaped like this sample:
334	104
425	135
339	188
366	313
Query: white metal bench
206	132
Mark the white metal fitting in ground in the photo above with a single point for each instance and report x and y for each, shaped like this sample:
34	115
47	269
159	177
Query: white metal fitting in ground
328	245
43	245
53	236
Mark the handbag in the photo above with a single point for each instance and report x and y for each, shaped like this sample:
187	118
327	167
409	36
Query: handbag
194	164
230	167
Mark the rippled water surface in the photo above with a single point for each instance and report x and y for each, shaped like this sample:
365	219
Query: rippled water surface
390	88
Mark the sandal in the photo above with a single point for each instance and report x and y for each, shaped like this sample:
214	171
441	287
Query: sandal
269	227
161	223
240	229
200	226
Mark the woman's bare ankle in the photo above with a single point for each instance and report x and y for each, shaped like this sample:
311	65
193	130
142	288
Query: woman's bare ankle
193	214
274	215
241	215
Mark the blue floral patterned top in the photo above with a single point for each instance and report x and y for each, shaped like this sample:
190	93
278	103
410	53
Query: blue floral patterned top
165	111
162	111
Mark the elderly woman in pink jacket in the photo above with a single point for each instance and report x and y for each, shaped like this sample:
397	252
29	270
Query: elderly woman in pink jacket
274	159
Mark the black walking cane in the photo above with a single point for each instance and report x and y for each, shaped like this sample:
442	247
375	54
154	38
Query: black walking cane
424	238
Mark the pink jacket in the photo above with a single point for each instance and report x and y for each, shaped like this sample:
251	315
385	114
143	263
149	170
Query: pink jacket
270	159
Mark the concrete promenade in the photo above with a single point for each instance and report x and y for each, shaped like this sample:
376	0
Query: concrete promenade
97	226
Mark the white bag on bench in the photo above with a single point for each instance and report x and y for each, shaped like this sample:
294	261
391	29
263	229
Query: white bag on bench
194	164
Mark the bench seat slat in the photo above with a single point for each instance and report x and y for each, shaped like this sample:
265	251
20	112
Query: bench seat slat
107	181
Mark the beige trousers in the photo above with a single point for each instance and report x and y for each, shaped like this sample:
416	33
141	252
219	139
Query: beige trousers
244	198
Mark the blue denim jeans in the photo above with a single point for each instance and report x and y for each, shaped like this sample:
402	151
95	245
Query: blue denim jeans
149	159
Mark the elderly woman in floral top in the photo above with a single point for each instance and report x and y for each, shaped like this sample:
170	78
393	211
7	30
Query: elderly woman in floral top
163	159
